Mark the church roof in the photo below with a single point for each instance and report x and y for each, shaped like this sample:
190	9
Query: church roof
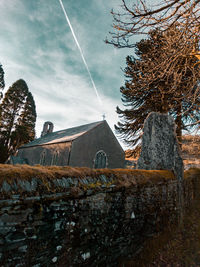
61	136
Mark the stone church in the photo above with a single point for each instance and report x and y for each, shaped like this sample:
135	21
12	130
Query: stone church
92	145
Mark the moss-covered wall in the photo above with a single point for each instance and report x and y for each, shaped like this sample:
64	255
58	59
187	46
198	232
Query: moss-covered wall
81	217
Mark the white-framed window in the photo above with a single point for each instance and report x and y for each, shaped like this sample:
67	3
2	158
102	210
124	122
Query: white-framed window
100	160
43	158
54	160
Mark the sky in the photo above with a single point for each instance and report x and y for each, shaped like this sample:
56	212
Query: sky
36	44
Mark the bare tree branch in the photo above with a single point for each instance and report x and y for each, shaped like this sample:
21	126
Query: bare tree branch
140	18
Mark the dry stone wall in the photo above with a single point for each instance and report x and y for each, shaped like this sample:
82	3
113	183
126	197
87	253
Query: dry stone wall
83	221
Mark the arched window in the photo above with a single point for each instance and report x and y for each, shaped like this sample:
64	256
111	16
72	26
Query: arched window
100	160
54	160
42	158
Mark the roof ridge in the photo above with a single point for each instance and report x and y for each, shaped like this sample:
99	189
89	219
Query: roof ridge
61	136
77	126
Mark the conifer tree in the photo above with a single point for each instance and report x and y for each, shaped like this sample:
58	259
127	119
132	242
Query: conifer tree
159	79
16	111
25	126
2	83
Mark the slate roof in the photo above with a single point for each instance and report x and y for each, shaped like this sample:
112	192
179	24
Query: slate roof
66	135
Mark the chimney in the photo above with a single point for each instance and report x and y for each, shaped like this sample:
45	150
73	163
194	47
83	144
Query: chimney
47	128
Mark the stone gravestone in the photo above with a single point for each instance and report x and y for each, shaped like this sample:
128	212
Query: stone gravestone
160	149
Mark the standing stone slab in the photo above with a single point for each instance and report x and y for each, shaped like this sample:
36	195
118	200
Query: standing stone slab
160	149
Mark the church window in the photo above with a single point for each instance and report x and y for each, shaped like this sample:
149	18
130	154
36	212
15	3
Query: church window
54	160
100	160
42	158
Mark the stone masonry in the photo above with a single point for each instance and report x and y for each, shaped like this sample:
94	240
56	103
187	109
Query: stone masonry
91	221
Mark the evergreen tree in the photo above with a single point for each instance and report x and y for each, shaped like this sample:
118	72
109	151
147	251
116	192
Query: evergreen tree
25	126
2	83
16	110
159	79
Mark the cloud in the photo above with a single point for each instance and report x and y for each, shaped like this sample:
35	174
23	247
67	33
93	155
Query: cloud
36	45
10	5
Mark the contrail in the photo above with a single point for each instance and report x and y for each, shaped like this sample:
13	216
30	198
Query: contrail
81	52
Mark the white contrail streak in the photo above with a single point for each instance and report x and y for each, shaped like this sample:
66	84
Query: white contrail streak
81	52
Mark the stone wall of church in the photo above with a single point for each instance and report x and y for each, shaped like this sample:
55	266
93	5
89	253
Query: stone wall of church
34	154
79	152
90	221
99	138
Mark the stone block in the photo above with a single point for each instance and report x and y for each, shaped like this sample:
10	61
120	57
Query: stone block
160	148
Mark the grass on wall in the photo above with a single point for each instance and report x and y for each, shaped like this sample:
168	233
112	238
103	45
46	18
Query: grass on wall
123	177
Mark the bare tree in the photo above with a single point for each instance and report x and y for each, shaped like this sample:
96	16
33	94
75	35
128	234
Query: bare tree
140	18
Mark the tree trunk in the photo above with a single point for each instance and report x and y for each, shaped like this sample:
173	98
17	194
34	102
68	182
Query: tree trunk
179	124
